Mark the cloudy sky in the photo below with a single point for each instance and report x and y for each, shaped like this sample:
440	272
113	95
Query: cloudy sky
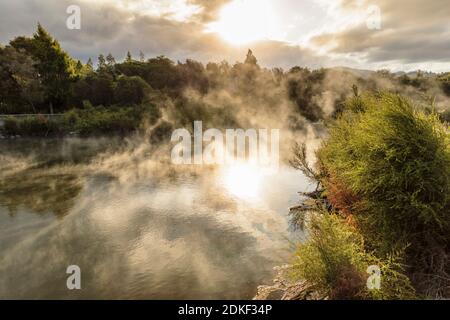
366	34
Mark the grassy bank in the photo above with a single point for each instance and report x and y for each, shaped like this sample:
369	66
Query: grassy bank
85	122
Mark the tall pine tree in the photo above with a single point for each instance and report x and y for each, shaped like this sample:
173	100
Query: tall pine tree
55	67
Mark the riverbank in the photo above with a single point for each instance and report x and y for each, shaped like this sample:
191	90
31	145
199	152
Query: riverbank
88	121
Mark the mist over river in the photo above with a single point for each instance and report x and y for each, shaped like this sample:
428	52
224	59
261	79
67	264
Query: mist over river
138	228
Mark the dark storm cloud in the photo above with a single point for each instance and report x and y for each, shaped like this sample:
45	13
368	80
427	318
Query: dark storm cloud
412	31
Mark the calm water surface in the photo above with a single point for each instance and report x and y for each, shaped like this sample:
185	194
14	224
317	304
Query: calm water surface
137	228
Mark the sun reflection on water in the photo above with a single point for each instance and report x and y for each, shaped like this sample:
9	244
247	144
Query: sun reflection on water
243	180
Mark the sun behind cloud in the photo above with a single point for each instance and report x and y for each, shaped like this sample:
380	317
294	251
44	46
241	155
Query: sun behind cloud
243	21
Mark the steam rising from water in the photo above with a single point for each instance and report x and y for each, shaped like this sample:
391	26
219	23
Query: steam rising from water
138	227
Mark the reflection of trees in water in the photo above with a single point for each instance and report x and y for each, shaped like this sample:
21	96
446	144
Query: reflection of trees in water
41	190
54	151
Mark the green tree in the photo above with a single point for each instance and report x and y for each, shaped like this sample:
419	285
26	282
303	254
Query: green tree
20	83
128	58
251	59
193	74
160	73
130	90
101	62
89	67
110	61
111	65
55	67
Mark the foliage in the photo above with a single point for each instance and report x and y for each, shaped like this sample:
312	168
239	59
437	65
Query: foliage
398	160
187	110
56	69
20	82
445	116
300	162
32	126
97	88
303	84
417	82
335	261
445	83
100	120
130	90
87	121
386	164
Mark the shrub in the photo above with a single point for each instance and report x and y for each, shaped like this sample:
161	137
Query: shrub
398	159
11	126
341	196
445	115
334	260
100	120
395	160
32	126
445	83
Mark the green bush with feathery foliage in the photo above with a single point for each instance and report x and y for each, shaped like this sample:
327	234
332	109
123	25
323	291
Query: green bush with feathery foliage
397	159
386	168
335	261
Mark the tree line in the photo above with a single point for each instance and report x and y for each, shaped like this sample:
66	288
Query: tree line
38	77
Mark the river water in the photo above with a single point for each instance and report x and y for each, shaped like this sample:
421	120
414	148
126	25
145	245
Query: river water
137	226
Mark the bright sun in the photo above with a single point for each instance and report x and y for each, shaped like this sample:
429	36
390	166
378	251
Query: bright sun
242	180
243	22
